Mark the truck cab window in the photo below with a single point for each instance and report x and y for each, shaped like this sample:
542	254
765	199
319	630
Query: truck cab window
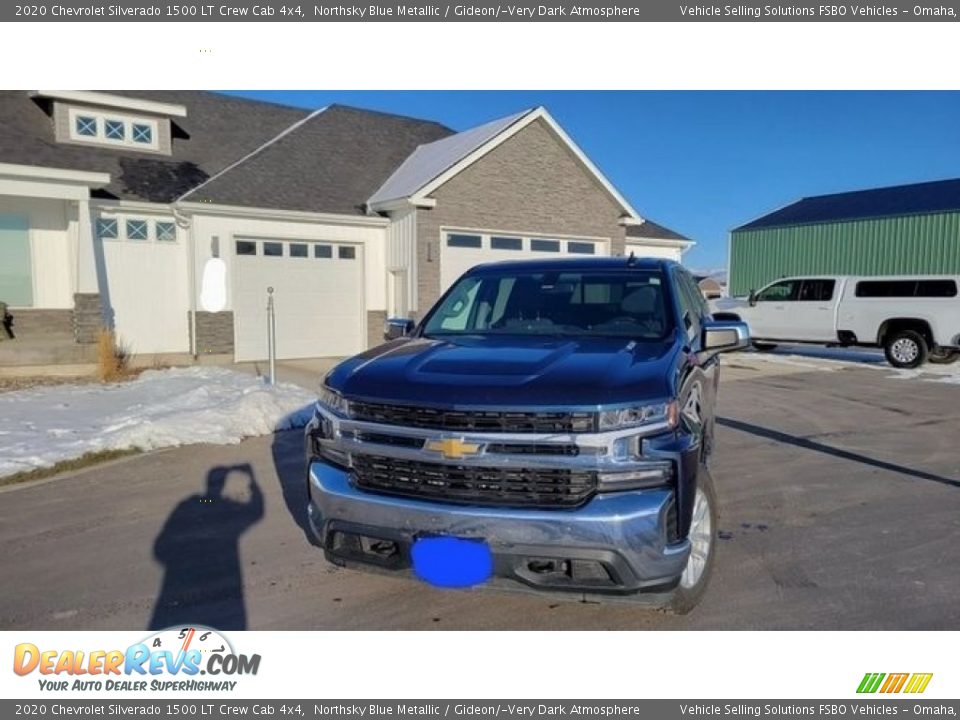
817	290
782	291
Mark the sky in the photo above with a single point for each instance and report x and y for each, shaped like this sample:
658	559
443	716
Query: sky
703	163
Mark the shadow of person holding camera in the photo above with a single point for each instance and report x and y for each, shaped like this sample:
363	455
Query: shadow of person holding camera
199	549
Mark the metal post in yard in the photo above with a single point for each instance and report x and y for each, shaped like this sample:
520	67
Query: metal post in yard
271	337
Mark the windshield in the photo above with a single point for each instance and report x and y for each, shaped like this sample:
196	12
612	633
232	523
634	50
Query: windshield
611	303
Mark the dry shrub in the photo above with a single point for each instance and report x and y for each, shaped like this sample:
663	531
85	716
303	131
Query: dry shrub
113	357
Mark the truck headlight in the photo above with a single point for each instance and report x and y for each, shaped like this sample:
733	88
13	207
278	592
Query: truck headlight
334	401
652	474
639	415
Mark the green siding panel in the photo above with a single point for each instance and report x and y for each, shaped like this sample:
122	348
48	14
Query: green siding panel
913	244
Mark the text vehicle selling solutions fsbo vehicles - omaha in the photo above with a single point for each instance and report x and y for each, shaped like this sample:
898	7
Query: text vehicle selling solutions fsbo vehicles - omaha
546	426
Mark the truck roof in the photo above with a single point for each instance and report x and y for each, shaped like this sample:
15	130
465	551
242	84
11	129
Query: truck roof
574	263
827	276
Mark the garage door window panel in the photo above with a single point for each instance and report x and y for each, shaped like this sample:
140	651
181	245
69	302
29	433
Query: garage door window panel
107	229
581	248
273	249
464	241
298	250
347	252
506	243
246	247
166	232
136	229
545	245
324	252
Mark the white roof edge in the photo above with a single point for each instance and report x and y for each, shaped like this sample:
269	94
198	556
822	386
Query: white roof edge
253	152
202	208
115	101
667	242
39	172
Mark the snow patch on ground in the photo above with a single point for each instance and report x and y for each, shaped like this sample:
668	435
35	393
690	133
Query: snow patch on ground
162	408
830	359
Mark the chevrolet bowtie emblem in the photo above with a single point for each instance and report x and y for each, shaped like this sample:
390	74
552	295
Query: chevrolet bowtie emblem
453	448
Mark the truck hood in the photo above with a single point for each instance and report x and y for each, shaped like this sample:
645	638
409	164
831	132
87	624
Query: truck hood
729	304
510	372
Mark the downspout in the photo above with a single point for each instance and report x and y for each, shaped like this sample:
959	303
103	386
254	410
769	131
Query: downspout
184	221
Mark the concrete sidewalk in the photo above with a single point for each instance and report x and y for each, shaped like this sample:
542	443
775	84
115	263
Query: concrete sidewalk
307	373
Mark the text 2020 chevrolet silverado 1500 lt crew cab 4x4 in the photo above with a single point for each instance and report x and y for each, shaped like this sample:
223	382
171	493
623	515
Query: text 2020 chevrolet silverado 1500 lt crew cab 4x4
546	426
913	318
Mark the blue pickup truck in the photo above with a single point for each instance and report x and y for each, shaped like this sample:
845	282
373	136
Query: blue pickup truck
545	426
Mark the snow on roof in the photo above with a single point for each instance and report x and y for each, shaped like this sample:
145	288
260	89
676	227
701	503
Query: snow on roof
430	160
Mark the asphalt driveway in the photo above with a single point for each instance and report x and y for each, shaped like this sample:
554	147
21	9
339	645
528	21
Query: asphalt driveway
839	488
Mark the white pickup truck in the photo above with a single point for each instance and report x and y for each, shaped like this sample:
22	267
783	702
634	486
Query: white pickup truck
913	318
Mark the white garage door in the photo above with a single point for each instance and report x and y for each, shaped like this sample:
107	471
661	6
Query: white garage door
317	297
460	251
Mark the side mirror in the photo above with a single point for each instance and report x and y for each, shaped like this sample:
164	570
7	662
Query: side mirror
396	328
752	299
725	335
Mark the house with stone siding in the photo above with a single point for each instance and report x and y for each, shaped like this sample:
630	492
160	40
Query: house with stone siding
171	216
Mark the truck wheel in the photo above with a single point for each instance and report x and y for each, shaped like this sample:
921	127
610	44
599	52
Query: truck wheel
905	349
703	543
944	357
764	347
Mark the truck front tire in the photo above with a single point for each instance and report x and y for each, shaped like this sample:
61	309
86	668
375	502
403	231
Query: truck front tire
703	545
905	349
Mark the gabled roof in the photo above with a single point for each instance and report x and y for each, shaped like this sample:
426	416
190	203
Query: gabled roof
435	165
914	199
216	131
430	160
654	231
330	161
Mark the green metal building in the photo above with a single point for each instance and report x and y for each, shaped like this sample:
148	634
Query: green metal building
908	229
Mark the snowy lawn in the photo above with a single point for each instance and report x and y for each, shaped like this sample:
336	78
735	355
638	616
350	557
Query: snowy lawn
42	426
828	359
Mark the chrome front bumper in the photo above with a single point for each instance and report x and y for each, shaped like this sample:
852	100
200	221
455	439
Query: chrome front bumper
615	545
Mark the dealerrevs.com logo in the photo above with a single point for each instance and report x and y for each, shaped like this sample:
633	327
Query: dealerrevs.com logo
172	659
894	682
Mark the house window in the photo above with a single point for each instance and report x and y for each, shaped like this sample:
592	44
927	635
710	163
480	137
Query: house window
106	229
506	243
114	130
346	252
166	231
86	126
142	134
582	248
136	229
298	250
273	249
246	247
322	251
464	241
545	245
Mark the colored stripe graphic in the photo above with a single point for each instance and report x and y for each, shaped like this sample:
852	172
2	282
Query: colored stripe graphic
918	682
894	682
870	682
